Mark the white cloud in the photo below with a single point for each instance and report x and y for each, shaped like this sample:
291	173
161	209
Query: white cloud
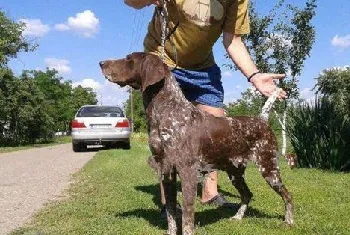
62	27
88	82
84	23
342	42
61	65
107	93
34	27
239	87
227	74
307	94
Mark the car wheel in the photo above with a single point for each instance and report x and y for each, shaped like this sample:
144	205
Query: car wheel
77	147
126	145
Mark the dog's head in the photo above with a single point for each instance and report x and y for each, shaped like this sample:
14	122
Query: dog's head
138	70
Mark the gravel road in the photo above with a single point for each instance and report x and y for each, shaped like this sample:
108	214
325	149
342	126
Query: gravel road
30	178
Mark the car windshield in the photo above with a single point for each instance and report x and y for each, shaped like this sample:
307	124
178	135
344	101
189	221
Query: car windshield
100	111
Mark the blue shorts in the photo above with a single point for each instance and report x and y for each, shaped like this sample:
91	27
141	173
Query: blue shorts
201	86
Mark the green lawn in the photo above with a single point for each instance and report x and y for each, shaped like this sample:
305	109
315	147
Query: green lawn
117	193
57	140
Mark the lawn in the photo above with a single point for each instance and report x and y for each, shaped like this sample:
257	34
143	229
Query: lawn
117	193
57	140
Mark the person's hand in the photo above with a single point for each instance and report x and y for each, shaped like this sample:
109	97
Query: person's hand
264	83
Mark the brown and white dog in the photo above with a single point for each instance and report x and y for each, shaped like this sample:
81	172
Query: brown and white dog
185	140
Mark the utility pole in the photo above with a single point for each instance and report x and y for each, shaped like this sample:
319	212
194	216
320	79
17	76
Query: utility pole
132	109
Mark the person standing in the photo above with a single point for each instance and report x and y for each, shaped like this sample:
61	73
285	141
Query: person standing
189	51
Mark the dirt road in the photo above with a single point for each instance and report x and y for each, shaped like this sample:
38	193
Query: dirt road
30	178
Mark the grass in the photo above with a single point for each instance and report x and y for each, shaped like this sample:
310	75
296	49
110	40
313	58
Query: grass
117	193
57	140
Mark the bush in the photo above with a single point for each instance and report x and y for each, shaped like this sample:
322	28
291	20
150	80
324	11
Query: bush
319	135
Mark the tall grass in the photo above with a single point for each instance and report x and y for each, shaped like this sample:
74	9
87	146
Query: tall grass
319	134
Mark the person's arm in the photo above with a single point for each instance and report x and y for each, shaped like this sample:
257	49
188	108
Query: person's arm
138	4
239	54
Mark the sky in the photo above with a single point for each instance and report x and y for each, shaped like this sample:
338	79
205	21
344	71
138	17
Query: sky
73	36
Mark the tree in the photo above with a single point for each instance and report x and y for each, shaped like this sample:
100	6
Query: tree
11	40
335	84
23	112
139	116
82	96
249	104
63	100
281	45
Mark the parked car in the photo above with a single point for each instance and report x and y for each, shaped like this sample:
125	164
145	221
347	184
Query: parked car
100	125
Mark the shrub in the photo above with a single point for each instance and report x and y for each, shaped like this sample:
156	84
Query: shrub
319	135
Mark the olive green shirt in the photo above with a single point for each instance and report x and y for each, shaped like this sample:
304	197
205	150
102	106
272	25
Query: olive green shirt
201	23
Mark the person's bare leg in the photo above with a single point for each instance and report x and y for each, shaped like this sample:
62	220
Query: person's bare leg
210	188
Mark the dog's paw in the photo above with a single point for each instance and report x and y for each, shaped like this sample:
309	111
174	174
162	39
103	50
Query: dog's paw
236	217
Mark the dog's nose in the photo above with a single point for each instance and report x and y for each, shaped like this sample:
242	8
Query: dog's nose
102	63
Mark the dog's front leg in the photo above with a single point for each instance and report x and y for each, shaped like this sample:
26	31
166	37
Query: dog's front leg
188	177
169	184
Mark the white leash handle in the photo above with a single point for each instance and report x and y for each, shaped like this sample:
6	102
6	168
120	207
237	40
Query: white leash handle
269	104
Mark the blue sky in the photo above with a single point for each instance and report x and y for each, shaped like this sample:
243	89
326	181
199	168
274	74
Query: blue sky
73	36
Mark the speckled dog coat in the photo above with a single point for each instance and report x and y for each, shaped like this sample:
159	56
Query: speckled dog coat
184	139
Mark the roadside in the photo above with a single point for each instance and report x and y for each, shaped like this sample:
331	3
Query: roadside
57	140
117	193
30	178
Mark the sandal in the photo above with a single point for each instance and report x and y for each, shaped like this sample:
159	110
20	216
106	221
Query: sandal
219	201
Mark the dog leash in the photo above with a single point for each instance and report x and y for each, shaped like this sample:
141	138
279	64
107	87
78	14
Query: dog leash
269	104
163	13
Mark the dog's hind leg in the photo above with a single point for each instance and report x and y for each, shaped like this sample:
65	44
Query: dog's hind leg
169	184
236	175
188	177
268	166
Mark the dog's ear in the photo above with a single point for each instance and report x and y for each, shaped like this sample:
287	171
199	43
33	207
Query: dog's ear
153	70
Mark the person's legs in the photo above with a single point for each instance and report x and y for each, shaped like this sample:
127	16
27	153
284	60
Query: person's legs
204	89
210	189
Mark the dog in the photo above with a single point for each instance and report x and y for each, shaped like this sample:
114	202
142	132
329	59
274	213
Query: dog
185	140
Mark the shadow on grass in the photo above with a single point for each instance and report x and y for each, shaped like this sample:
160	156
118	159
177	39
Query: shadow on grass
155	191
208	216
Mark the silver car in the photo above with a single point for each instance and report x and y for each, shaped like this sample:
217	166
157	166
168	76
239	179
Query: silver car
100	125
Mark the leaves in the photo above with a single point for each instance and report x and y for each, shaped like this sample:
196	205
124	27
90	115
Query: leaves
135	110
335	84
319	134
11	40
36	105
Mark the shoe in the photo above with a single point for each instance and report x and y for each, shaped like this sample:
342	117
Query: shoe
219	201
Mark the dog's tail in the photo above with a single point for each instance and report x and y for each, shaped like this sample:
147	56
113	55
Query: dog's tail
269	104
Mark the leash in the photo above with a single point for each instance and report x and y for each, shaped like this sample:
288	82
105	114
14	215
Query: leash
269	104
164	16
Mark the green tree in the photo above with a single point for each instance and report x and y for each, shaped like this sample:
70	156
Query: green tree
11	40
249	104
8	87
23	115
134	110
280	43
335	84
31	121
63	100
82	96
